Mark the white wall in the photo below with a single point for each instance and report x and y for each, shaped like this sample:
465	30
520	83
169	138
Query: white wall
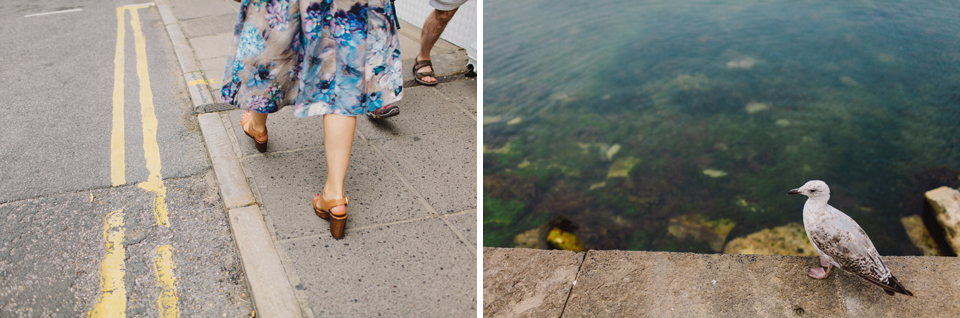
461	31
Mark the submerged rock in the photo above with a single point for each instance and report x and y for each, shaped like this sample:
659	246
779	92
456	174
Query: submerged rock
621	167
754	107
491	119
563	240
610	152
528	239
714	173
514	121
745	63
789	239
946	207
698	229
919	235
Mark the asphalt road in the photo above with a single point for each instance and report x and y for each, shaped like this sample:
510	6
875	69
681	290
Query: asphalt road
108	202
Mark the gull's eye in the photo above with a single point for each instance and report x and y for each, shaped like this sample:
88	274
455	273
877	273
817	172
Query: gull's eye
813	190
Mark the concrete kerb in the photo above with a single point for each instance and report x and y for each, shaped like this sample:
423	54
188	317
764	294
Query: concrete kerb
273	296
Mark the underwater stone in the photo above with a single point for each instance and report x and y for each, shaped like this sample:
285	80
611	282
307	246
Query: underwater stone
754	107
528	239
610	152
621	167
698	229
745	63
714	173
783	122
514	121
946	207
789	239
564	240
502	150
491	119
846	80
919	235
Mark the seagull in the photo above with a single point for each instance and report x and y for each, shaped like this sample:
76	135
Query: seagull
841	242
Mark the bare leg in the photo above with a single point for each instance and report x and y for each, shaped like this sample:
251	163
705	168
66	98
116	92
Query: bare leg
337	143
259	123
820	273
432	28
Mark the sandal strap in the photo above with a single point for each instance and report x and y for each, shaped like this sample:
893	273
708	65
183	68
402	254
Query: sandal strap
246	123
421	64
326	205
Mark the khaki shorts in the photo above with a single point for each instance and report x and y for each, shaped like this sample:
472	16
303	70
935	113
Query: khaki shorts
446	5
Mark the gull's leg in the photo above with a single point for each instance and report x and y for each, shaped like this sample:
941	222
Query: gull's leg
820	273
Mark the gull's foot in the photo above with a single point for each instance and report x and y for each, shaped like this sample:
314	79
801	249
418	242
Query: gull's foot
823	272
818	273
825	263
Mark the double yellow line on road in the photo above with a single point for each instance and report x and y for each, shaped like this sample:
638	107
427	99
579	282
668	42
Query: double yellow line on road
112	301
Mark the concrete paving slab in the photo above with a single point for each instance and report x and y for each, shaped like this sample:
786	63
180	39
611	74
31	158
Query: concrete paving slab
932	279
441	166
409	48
286	131
520	283
662	284
192	9
287	182
211	46
213	69
463	92
657	284
466	222
397	267
421	110
209	25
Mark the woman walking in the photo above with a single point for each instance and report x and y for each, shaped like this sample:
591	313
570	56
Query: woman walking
333	58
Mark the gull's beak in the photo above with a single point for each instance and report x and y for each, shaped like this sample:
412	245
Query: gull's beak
794	191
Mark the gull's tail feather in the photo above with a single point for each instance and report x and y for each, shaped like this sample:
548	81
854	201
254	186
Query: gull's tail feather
891	287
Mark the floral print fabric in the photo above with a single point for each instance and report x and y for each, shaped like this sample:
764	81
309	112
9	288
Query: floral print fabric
324	57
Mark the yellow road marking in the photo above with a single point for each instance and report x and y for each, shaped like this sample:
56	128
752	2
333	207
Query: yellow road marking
168	295
113	294
202	81
151	150
117	176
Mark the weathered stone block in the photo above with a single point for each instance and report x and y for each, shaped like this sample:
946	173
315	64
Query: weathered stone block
526	282
946	206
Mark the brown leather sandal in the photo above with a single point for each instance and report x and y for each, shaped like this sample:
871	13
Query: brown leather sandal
337	222
259	139
418	76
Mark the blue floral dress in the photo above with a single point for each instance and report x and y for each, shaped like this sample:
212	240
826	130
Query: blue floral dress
324	57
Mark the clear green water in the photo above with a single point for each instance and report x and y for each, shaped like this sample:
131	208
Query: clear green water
763	95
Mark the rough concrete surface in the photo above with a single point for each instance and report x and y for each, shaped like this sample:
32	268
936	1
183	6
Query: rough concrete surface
527	283
946	206
387	270
665	284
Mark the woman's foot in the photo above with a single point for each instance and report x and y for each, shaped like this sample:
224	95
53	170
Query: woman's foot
258	134
334	210
384	112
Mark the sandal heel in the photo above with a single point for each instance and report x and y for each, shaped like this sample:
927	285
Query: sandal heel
337	226
337	222
261	147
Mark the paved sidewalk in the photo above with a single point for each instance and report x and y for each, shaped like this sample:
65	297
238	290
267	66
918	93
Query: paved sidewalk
410	247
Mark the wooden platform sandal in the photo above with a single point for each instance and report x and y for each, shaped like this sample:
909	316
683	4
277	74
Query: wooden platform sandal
259	138
337	222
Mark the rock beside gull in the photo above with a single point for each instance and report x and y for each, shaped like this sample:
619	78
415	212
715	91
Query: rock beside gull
946	207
